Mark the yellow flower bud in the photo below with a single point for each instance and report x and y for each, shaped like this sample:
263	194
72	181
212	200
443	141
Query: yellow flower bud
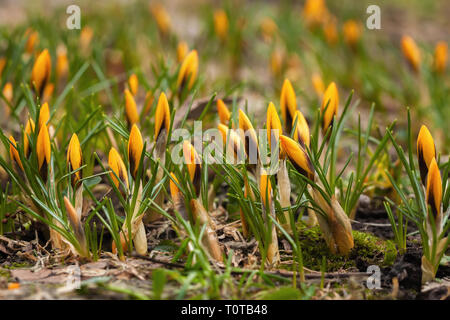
268	28
352	32
32	40
265	189
188	71
440	57
43	151
411	52
162	115
8	94
318	85
330	106
273	124
248	135
434	189
130	108
221	24
74	158
161	17
298	156
44	115
13	153
301	133
29	130
118	168
133	83
135	149
288	104
2	65
426	151
193	164
224	113
62	63
40	74
314	12
182	50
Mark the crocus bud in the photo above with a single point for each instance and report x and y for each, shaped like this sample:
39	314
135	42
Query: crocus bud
74	158
265	189
43	151
440	57
118	168
329	107
221	24
301	133
174	190
318	85
182	50
2	64
411	52
32	40
44	115
352	32
193	164
62	63
224	113
162	116
314	12
13	153
248	136
133	84
298	156
426	151
188	71
161	17
268	28
29	130
434	189
288	104
273	124
86	36
40	74
130	108
233	143
330	30
135	149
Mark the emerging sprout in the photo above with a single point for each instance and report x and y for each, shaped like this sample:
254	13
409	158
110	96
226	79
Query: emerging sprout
426	151
162	116
43	151
188	71
13	153
411	52
440	57
135	148
74	158
301	133
329	107
133	84
118	168
288	105
182	50
224	113
40	74
221	24
434	189
130	108
298	156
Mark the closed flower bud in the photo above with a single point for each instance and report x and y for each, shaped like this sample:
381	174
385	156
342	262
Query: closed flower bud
32	40
43	151
233	142
265	189
224	113
174	190
268	28
188	71
315	12
44	115
2	65
330	30
13	153
273	124
330	106
298	156
40	74
440	57
411	52
301	133
118	168
248	136
133	84
221	24
318	85
162	116
135	149
62	63
288	104
29	130
148	102
182	50
426	151
434	189
352	32
130	108
86	36
8	94
48	92
193	164
161	17
74	158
